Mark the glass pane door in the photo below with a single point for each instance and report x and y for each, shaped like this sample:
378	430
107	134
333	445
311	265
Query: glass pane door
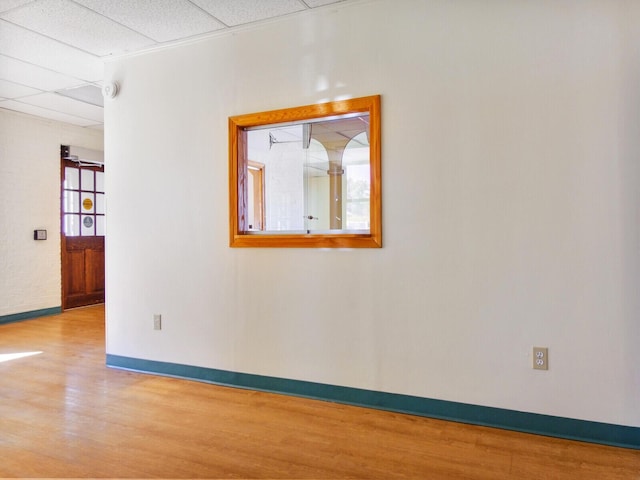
83	201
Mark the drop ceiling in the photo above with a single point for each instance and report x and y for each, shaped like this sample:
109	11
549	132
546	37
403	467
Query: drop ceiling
52	51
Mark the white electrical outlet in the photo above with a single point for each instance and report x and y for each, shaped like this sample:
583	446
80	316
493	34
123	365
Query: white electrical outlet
157	321
541	358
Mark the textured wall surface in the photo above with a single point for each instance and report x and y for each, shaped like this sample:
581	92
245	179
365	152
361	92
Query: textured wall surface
30	192
511	189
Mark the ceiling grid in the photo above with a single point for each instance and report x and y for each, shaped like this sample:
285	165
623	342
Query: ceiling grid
52	51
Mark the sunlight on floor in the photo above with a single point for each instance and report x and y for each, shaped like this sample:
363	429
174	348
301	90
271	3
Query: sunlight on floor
5	357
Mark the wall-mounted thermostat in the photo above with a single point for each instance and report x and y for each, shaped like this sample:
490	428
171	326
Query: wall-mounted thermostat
39	234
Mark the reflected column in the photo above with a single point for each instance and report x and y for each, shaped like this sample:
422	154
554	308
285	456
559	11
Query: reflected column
335	173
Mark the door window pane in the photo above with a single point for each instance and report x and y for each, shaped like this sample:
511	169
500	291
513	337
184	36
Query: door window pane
71	202
71	178
100	225
83	200
100	203
88	225
72	225
88	202
99	181
87	180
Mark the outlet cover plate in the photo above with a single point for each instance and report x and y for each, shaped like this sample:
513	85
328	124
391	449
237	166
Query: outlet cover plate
540	358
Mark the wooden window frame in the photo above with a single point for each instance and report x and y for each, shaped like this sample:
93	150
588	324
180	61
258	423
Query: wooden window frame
240	236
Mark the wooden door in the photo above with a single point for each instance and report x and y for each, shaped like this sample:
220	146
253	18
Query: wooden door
83	230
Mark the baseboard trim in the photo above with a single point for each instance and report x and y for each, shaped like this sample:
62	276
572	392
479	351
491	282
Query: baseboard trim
18	317
568	428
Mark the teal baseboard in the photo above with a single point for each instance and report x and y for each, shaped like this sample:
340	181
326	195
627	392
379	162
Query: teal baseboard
18	317
572	429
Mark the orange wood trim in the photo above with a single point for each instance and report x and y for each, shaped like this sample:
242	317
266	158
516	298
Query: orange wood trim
237	172
375	153
347	240
307	112
236	188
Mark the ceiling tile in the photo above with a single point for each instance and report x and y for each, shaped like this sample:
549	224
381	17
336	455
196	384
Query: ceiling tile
45	113
33	76
86	93
52	49
30	47
161	20
14	90
78	26
9	4
53	101
237	12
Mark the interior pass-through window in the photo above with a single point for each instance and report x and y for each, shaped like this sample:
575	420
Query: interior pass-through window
307	176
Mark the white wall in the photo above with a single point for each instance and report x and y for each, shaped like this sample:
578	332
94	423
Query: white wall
511	191
30	199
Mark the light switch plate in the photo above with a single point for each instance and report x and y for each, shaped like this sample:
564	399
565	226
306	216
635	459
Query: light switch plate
39	234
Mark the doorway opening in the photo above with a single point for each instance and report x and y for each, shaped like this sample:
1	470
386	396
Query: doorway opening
83	227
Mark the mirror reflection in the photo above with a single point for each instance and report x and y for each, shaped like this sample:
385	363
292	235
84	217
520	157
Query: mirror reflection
309	177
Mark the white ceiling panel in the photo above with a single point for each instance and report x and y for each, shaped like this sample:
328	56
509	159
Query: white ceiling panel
86	93
76	25
9	4
15	90
45	113
33	76
52	51
237	12
53	101
161	20
31	47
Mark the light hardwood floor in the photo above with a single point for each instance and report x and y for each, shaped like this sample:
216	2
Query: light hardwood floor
64	414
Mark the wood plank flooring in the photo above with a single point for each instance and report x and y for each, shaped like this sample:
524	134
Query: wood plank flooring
64	414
